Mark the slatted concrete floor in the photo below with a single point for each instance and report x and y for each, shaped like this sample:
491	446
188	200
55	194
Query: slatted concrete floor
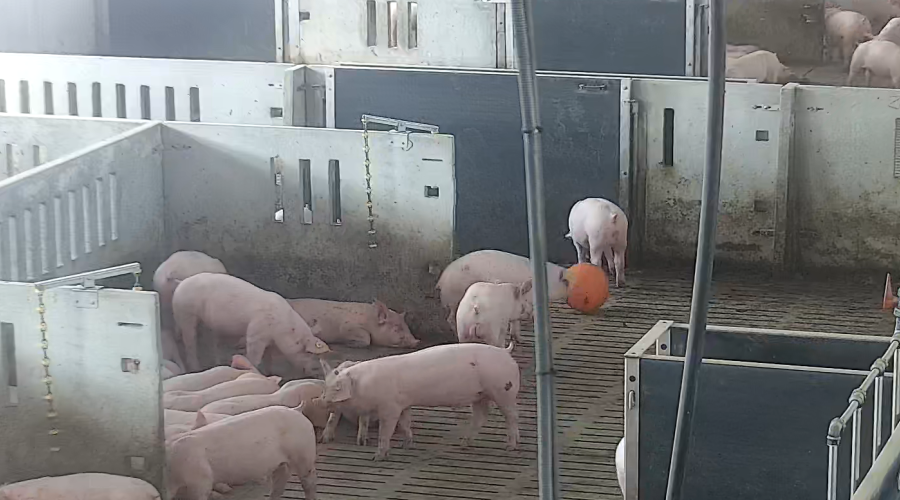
588	353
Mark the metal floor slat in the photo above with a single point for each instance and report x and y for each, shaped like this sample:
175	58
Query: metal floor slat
588	351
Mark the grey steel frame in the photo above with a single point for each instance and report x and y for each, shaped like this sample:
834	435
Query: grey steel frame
854	410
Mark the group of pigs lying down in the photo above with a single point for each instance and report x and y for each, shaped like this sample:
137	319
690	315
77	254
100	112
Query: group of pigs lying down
230	425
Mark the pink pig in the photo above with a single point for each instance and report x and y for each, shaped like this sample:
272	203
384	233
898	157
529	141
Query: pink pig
231	307
492	266
362	430
269	442
355	324
444	375
250	383
178	417
214	376
84	486
489	311
600	227
290	394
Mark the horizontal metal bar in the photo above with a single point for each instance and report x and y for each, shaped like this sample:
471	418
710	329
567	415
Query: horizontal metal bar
89	276
401	125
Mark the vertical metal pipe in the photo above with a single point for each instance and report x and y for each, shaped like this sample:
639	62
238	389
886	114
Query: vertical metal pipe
855	443
895	389
705	250
832	470
548	467
877	412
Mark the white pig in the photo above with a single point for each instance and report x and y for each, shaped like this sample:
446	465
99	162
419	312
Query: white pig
879	58
356	324
444	375
178	417
762	66
232	307
891	31
84	486
266	443
600	227
620	464
291	394
739	50
206	379
250	383
169	369
489	311
334	418
492	266
845	30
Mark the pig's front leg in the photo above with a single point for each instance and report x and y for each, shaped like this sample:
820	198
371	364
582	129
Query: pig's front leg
515	331
579	251
387	423
330	426
362	430
256	348
355	336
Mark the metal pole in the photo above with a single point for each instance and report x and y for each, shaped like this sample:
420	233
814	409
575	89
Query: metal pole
855	443
877	409
706	246
895	389
548	467
832	469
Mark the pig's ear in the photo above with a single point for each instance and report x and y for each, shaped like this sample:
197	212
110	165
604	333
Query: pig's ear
275	378
382	311
200	421
326	368
343	389
526	287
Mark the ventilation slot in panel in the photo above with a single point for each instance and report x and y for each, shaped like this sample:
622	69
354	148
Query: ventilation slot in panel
8	363
306	191
334	191
24	97
72	93
48	98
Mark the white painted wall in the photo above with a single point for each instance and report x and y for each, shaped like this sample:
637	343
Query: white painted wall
53	26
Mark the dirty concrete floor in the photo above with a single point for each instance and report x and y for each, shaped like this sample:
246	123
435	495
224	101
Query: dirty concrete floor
588	352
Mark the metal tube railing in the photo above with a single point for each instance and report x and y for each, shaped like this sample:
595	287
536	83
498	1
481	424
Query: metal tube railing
857	400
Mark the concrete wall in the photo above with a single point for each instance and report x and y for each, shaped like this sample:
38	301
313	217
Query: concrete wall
672	192
51	26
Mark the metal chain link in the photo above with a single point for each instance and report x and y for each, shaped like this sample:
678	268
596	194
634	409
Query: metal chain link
48	380
371	218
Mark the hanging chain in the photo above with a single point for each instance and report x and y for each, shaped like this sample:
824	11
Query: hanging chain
48	380
371	218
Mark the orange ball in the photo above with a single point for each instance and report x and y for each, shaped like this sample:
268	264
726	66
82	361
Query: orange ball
588	287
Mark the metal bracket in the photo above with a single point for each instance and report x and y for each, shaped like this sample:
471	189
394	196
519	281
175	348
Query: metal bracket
87	298
763	232
402	125
87	279
766	107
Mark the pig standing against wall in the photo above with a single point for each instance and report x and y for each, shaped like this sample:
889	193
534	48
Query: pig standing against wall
178	267
232	307
600	227
845	30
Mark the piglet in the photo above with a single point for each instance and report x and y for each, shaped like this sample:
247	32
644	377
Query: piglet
489	310
231	307
444	375
206	379
844	30
84	486
762	66
878	58
270	442
355	324
492	266
250	383
334	418
600	227
290	394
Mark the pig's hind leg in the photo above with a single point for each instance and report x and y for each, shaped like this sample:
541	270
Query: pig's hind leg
510	411
405	424
480	410
308	482
187	328
279	479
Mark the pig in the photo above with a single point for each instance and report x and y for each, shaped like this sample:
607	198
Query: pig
879	58
290	394
844	30
620	464
739	50
334	418
316	410
214	376
492	266
489	310
83	486
170	351
355	324
891	31
600	227
443	375
762	66
178	417
879	12
232	307
169	369
250	383
268	442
